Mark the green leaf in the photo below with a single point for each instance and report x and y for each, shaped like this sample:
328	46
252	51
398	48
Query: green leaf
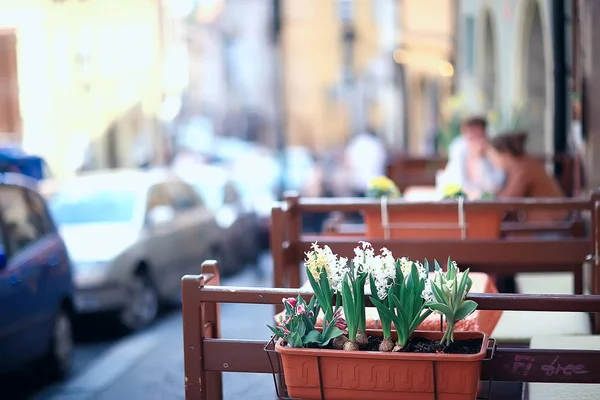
301	327
316	288
326	290
294	339
401	312
444	309
409	282
439	294
419	318
329	326
382	309
312	337
461	286
451	270
414	274
392	290
399	274
469	284
466	308
332	334
359	298
453	294
437	266
278	331
409	307
402	319
373	287
309	324
289	310
349	307
324	283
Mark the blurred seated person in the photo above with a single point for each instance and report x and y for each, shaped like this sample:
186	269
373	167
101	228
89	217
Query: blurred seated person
365	157
468	165
526	176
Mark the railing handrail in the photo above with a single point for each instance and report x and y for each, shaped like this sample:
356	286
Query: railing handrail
486	301
347	204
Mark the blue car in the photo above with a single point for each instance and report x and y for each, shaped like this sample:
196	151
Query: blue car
15	160
36	288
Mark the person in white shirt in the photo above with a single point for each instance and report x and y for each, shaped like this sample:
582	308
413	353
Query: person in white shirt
366	158
468	165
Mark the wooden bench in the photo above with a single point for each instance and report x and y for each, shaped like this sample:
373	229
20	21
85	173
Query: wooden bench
207	355
407	170
500	257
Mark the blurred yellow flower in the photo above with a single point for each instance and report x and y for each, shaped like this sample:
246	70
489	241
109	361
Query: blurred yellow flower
451	190
456	102
382	186
493	117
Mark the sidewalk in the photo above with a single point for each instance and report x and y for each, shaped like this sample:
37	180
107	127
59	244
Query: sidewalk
149	366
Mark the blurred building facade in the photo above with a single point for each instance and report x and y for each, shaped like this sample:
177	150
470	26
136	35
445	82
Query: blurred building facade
86	82
587	83
504	64
353	63
338	70
231	64
425	57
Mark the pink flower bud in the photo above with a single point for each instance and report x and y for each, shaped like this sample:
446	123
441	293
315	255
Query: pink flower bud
340	323
301	309
291	301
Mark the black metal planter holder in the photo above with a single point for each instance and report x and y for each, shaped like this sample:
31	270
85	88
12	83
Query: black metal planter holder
281	389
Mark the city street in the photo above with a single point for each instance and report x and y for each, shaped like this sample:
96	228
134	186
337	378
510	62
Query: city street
149	365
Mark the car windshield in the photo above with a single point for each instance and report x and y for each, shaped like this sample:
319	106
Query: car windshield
89	207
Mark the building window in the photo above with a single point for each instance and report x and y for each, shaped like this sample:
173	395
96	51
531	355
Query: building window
470	44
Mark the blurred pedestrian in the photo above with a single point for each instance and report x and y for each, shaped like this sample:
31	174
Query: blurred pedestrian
366	157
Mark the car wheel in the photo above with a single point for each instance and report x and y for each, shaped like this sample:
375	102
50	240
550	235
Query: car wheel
56	363
142	304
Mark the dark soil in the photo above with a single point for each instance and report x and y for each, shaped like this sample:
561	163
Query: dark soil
374	342
424	345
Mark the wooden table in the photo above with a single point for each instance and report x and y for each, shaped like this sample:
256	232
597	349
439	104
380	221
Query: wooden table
484	321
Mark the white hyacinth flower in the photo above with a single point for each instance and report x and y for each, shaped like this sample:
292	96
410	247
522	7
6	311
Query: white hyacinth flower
383	272
337	271
405	266
363	257
427	293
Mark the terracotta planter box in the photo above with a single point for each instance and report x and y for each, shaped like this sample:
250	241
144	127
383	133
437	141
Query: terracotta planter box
383	376
426	225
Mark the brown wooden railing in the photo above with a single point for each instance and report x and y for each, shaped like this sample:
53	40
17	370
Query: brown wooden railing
207	355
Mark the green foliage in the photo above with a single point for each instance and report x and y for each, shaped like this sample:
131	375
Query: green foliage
449	291
405	306
297	328
353	301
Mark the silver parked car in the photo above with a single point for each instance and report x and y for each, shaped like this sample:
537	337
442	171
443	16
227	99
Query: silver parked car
131	236
240	245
